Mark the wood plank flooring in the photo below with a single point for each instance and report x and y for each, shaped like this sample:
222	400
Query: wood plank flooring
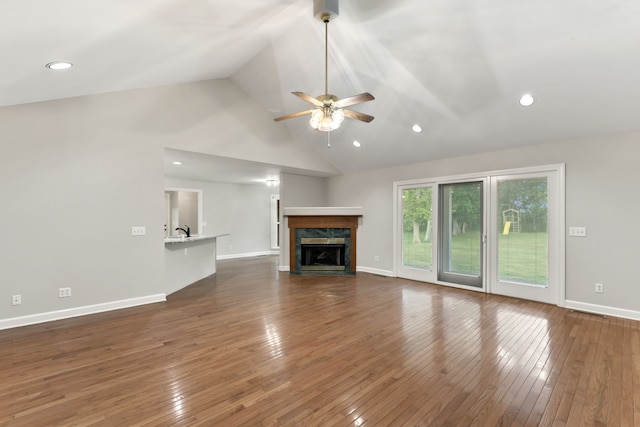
251	346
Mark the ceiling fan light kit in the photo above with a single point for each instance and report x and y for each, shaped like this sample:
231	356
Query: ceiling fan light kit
330	111
326	120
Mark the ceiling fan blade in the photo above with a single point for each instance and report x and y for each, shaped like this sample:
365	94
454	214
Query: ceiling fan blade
308	98
352	100
358	116
292	115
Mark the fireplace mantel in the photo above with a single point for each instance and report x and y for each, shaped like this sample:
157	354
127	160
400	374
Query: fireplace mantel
320	211
323	218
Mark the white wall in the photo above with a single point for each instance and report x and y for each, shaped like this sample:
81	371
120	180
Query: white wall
602	175
78	173
73	188
303	191
188	211
298	191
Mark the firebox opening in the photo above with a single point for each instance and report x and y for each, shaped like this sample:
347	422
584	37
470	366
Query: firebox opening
323	254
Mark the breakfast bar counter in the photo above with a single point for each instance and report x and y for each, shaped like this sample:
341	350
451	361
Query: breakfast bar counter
189	259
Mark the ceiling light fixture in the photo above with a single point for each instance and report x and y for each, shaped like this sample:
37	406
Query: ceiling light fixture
177	163
326	119
357	144
59	65
416	128
329	111
526	100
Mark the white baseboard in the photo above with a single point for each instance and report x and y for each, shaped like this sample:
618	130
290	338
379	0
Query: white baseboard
246	255
284	268
32	319
603	309
377	271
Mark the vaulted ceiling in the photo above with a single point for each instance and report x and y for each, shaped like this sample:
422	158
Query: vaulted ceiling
456	67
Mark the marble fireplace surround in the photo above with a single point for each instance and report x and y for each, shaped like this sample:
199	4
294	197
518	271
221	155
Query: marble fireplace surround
325	222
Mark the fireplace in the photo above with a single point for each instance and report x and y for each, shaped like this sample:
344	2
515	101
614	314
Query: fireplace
322	254
322	244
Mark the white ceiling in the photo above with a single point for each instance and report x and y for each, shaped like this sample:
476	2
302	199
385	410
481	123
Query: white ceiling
205	167
457	67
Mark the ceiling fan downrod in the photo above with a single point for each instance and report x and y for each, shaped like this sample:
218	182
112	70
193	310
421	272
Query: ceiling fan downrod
326	10
329	111
326	18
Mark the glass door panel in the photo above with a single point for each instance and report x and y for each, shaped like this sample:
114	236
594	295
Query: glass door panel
416	228
416	232
461	233
522	218
524	244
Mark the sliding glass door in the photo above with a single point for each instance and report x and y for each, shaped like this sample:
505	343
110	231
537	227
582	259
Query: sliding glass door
461	237
501	232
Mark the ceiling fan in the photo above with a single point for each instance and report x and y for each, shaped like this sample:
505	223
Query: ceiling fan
330	111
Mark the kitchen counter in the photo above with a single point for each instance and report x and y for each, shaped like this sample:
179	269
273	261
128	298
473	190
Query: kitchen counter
189	259
184	239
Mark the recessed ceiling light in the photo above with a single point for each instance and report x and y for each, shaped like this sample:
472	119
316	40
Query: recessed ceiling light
416	128
357	144
59	65
177	163
526	100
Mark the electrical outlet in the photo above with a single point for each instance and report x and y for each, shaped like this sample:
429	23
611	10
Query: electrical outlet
138	231
16	300
64	292
376	258
599	288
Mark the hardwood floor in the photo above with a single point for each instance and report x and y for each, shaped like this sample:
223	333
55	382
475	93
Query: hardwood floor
252	346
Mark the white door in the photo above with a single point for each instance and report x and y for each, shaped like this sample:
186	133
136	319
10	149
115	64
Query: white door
416	239
525	235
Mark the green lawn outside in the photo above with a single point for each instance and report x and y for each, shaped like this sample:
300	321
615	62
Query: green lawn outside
522	256
416	255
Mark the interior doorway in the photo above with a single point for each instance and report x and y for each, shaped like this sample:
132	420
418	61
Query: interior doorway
275	221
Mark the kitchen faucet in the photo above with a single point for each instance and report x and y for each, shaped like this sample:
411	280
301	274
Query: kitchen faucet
187	231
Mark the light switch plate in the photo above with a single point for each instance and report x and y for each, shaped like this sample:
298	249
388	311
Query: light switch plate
578	231
138	231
